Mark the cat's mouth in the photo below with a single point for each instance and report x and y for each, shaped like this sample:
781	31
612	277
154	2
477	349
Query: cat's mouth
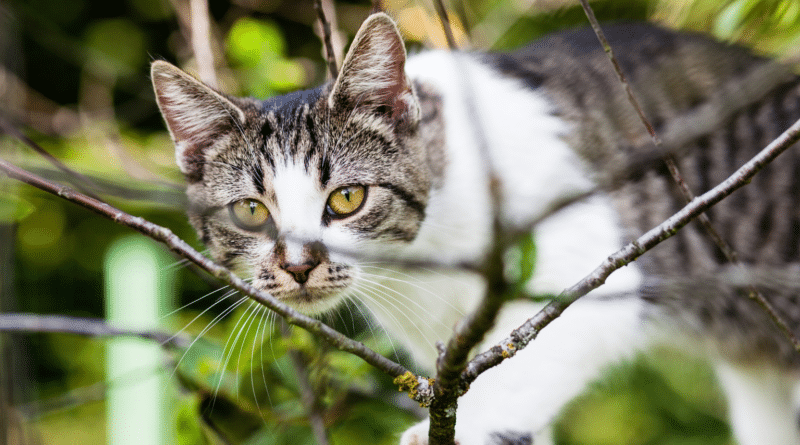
319	290
310	300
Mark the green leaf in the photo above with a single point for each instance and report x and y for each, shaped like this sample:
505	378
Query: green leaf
251	40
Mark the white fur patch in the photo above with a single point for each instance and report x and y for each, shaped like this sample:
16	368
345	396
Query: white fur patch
573	242
761	405
301	204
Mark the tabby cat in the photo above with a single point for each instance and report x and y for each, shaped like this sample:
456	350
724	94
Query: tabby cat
317	194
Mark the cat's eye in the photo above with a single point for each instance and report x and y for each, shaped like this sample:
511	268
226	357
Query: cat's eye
346	200
249	214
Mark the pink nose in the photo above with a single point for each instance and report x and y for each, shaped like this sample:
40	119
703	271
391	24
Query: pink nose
299	271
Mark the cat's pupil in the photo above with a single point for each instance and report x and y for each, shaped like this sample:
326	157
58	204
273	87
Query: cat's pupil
252	208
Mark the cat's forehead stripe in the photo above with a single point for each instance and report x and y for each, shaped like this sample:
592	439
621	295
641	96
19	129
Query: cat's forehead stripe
257	175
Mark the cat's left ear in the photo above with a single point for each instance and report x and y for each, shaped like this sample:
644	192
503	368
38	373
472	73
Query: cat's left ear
196	115
373	73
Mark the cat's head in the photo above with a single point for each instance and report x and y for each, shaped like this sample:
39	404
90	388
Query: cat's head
286	191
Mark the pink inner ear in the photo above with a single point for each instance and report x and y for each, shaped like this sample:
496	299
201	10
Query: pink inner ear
373	74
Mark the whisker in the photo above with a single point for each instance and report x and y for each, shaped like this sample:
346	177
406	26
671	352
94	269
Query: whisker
243	330
224	297
252	359
227	355
208	327
273	318
427	291
264	320
403	296
350	299
404	311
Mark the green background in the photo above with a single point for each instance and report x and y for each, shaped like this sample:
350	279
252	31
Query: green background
75	78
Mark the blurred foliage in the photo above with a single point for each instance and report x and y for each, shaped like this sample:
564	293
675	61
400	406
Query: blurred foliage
75	75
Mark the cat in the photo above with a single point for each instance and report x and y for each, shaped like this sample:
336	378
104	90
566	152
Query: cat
319	195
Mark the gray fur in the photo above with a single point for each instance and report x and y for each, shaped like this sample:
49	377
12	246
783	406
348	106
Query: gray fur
671	74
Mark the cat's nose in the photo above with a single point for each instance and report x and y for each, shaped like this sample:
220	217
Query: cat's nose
300	271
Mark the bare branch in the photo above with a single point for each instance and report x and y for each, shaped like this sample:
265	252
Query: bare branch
703	219
521	336
177	245
471	330
330	55
90	327
449	385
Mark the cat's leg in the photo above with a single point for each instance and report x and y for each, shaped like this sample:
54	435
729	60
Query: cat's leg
520	397
760	403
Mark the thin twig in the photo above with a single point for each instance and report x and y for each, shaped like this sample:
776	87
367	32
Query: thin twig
80	181
132	190
448	31
521	336
330	55
703	219
91	327
164	235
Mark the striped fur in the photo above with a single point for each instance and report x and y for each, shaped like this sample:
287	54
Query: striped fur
557	123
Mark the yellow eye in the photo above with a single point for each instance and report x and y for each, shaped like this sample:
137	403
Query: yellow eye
249	214
346	200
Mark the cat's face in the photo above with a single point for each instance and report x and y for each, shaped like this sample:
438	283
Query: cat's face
290	191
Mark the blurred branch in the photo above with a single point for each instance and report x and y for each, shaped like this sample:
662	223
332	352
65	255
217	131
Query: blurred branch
200	23
330	54
168	198
81	182
523	335
703	219
471	330
177	245
681	130
90	327
441	11
308	396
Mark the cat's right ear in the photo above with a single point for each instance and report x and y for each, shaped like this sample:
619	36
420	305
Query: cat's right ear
195	114
373	72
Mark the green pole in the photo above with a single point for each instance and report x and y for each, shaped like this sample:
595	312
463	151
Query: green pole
138	292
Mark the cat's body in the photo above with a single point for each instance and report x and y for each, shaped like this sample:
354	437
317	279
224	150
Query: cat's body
312	193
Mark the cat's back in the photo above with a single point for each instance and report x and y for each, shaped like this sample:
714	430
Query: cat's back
704	98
